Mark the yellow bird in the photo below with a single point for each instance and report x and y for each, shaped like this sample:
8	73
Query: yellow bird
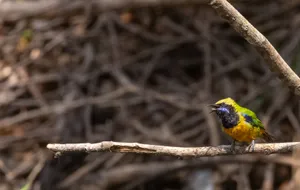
240	123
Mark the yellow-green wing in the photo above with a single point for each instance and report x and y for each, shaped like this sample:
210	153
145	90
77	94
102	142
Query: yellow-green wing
251	118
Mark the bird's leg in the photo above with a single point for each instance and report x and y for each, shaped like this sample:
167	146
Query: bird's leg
232	148
251	146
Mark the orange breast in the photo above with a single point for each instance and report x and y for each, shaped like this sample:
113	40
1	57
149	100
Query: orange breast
243	132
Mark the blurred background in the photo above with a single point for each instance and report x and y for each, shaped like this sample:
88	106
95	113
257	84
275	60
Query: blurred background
75	74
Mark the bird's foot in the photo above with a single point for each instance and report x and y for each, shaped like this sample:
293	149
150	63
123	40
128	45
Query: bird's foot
232	148
250	147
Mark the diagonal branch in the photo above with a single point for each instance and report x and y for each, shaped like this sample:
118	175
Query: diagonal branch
259	42
138	148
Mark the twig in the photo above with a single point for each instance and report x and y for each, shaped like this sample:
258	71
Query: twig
269	177
34	173
123	147
260	43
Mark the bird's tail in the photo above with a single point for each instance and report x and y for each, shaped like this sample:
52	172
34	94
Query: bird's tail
267	137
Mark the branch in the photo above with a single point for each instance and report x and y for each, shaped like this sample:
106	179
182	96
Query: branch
138	148
260	43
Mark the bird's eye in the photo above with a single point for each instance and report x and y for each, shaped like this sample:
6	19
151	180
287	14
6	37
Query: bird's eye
223	109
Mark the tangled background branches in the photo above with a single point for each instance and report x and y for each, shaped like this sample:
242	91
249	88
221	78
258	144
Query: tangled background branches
142	75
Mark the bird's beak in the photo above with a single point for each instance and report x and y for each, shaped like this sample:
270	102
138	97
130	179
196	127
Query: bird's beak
213	107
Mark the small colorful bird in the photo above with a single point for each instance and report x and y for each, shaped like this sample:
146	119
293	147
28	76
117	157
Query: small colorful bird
240	123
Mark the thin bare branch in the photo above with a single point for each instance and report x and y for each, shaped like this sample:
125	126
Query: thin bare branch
260	43
138	148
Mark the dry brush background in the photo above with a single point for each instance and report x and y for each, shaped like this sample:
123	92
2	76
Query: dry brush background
142	75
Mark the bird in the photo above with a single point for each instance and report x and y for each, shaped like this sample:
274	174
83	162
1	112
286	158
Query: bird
240	123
